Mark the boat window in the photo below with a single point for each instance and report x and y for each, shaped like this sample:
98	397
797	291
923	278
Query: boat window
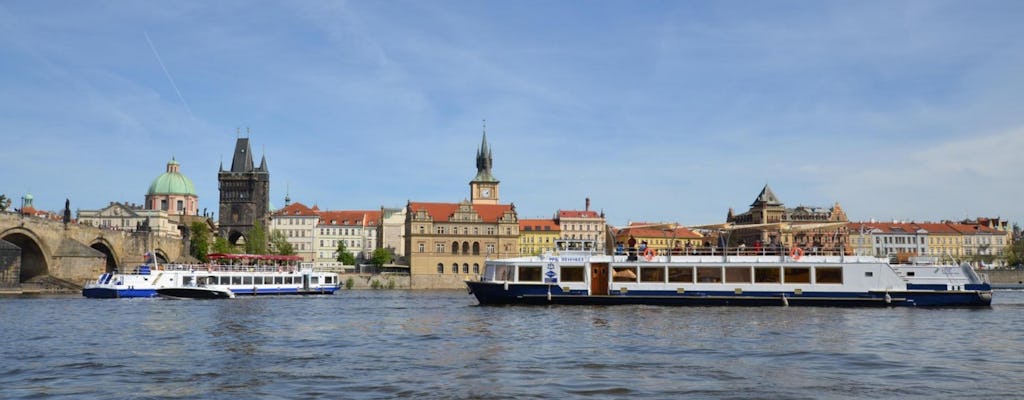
529	273
257	280
828	275
683	274
624	274
278	280
247	280
572	274
797	275
652	274
314	279
503	272
236	280
709	274
869	274
767	275
737	274
187	280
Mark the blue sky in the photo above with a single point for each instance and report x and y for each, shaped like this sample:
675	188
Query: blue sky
657	111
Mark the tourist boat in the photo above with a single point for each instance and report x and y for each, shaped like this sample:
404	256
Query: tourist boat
242	274
574	274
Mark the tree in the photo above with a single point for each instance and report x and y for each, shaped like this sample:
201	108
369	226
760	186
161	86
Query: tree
199	240
256	240
5	202
381	256
221	246
280	245
344	257
1015	254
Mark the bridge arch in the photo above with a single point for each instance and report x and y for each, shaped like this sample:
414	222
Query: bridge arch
236	238
103	246
161	256
34	260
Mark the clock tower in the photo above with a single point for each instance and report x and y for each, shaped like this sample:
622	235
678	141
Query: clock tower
483	189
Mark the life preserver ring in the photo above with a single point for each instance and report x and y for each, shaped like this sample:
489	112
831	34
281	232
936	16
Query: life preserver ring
796	253
648	254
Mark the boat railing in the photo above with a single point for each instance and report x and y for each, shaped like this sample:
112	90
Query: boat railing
795	252
142	270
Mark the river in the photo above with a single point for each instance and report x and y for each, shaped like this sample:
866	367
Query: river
425	344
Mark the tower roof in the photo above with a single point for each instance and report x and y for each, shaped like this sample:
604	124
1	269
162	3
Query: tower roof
242	161
766	198
484	162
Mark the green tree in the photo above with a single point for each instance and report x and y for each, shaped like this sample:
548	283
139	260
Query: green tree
344	256
199	240
1014	254
5	203
221	246
380	257
256	240
279	244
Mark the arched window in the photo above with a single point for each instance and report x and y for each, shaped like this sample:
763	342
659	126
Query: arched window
476	248
440	268
476	268
465	247
455	268
465	268
455	247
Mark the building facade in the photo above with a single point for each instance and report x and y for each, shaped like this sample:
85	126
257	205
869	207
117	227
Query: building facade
583	224
172	192
538	236
815	229
244	194
130	218
357	229
448	242
391	234
297	223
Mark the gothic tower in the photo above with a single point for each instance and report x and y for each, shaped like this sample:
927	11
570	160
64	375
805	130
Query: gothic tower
244	194
483	189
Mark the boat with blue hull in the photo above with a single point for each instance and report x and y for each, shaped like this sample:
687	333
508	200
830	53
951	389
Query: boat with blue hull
241	274
729	278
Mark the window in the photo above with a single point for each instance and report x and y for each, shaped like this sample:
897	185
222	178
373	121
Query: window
440	268
455	268
680	274
490	248
737	274
529	273
476	248
181	205
440	230
439	247
455	247
422	247
476	268
490	230
572	274
465	268
797	275
652	274
767	275
709	275
624	274
828	275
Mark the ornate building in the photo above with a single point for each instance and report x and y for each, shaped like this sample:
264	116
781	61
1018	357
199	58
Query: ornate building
172	192
537	236
585	224
811	228
244	194
448	242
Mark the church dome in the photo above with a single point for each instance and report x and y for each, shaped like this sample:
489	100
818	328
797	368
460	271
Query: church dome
172	182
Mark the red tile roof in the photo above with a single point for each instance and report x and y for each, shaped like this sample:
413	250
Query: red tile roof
350	217
534	225
444	211
578	214
295	209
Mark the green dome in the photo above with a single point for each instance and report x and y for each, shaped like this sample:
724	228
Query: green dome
172	182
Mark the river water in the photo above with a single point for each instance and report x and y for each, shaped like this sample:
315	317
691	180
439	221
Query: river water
415	344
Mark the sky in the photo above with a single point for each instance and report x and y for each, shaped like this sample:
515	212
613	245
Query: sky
656	111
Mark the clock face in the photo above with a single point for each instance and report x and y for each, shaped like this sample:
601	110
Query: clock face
485	192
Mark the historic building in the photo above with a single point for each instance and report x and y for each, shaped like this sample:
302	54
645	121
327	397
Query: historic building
357	229
583	224
244	194
172	192
660	237
538	236
297	223
975	241
391	234
815	229
130	218
448	242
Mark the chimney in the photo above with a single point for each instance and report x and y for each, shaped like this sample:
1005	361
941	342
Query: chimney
588	204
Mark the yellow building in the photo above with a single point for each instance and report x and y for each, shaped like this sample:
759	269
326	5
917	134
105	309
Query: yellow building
537	236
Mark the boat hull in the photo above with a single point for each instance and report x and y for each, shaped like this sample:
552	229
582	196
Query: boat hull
195	293
114	293
499	293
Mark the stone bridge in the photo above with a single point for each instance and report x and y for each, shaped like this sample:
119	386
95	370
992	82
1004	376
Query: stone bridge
38	254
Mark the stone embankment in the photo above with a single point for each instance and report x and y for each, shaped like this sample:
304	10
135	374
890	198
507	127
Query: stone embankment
374	281
1006	278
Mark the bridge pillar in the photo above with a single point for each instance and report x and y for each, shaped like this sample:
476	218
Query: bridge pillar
77	263
10	264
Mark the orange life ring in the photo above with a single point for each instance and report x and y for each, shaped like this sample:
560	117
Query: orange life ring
796	253
649	254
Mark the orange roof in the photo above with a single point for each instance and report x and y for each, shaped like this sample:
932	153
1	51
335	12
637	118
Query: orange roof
534	225
295	209
445	211
680	232
350	217
578	214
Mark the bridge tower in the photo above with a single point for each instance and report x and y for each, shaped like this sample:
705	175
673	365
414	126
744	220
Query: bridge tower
244	194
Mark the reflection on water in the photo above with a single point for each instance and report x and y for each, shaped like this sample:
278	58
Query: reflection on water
395	344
